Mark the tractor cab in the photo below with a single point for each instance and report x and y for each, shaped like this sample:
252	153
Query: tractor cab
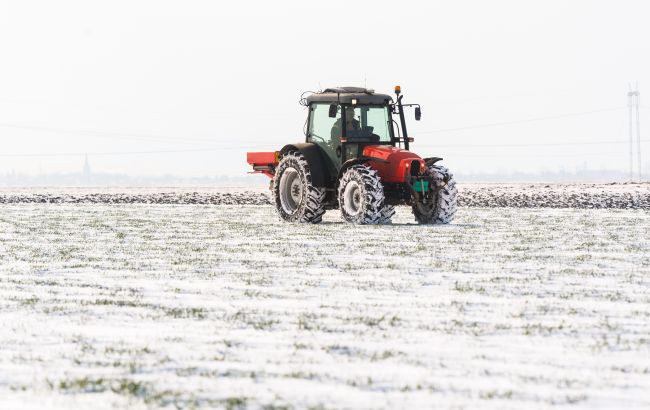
343	135
343	121
348	116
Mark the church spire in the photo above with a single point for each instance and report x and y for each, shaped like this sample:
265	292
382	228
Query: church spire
86	169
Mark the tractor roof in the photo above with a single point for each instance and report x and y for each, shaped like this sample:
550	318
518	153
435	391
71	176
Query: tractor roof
345	95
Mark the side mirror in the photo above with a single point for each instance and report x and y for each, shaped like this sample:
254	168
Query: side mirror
333	110
418	114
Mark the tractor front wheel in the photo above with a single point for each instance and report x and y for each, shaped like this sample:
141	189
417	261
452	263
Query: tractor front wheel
387	213
361	195
296	198
442	207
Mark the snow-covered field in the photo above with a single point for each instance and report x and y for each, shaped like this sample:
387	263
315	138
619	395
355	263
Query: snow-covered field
225	306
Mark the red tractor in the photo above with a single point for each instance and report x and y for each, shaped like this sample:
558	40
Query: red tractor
352	159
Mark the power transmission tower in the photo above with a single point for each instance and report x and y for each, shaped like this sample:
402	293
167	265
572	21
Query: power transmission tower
633	97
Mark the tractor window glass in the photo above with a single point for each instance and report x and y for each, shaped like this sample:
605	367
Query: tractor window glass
322	127
373	123
325	131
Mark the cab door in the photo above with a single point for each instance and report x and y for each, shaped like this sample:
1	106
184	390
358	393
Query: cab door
325	132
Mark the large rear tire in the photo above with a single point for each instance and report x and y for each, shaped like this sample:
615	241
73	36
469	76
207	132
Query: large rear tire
361	195
296	198
442	209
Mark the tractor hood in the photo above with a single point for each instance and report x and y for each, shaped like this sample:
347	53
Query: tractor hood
394	164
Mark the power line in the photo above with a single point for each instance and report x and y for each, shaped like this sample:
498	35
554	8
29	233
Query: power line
73	154
194	140
212	147
112	135
499	124
525	145
70	154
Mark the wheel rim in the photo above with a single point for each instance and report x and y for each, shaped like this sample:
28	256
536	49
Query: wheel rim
429	208
290	190
425	209
352	198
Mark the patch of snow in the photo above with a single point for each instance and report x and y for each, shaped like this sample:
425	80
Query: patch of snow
113	306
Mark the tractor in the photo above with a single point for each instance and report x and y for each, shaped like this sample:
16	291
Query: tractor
356	158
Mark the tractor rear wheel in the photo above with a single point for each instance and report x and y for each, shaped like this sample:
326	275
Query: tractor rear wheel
442	208
361	195
296	198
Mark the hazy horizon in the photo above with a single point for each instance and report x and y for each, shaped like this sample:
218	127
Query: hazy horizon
88	178
150	88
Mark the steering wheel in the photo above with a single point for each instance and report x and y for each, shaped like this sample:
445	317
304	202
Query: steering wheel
320	138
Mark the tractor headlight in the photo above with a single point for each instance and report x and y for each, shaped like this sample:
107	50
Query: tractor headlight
354	101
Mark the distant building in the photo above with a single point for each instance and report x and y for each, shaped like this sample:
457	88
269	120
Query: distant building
86	171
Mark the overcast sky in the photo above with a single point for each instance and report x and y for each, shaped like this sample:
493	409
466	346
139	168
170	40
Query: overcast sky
214	79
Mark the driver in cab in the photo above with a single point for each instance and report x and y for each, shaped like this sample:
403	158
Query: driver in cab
352	127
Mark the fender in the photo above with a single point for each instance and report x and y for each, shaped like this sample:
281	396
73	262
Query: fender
431	160
355	161
317	165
